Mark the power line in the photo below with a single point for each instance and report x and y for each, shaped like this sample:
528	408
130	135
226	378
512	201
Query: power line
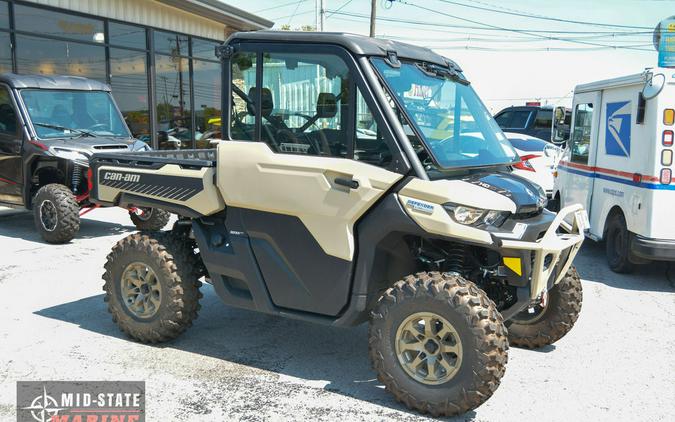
514	30
279	6
548	18
295	11
339	8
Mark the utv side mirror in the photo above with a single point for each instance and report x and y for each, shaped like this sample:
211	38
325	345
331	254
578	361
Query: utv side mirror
326	105
560	131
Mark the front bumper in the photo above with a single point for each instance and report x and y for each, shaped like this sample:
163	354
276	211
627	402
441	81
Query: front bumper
553	253
653	249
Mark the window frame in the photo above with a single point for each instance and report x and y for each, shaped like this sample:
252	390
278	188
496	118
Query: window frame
357	80
577	158
17	115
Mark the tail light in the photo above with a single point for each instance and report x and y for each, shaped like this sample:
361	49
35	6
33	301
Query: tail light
668	116
90	179
666	176
525	164
667	140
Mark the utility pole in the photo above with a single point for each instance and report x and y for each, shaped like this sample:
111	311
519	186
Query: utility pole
320	15
373	12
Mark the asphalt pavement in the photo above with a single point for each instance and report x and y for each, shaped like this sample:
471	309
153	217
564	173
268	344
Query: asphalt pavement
617	364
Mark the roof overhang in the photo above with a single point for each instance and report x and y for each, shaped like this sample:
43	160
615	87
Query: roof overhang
218	11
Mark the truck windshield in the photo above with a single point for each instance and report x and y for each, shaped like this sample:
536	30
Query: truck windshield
456	128
66	114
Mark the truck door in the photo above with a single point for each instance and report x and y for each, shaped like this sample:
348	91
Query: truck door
10	150
317	163
580	155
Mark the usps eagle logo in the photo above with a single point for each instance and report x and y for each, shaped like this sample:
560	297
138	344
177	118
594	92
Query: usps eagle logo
617	133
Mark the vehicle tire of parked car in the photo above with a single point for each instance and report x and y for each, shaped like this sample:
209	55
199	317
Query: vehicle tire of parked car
151	219
617	245
438	343
152	286
549	323
56	213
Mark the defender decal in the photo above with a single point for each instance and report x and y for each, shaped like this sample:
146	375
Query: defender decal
618	127
420	206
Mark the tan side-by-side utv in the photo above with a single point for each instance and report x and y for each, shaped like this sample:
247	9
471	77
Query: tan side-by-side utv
357	180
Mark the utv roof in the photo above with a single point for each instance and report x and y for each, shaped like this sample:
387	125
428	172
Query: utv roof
357	44
77	83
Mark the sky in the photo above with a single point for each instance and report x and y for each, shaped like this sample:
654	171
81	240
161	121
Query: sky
509	58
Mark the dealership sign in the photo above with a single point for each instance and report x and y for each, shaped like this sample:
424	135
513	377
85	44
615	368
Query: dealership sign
80	401
664	42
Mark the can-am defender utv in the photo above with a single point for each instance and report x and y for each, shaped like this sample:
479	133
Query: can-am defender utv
49	127
360	179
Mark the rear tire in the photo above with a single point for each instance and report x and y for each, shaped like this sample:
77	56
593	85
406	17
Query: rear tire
152	286
464	320
617	245
152	219
56	213
549	324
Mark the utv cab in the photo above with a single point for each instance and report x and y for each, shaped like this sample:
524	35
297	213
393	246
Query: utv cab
49	127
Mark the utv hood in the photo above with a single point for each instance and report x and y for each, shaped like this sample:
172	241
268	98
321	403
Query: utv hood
80	149
527	196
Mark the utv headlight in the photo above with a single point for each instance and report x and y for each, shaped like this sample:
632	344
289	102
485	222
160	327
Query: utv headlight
475	216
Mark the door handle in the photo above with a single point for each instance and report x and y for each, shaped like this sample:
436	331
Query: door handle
350	183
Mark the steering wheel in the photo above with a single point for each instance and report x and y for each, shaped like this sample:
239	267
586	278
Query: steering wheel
98	126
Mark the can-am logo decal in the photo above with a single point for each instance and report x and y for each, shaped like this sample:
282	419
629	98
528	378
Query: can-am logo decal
617	131
420	206
80	401
121	177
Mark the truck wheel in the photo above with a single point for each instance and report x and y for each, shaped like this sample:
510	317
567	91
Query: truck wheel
617	245
438	343
152	286
152	219
547	323
56	213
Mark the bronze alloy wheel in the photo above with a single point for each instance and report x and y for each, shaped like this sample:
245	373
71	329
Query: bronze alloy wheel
48	215
428	348
140	289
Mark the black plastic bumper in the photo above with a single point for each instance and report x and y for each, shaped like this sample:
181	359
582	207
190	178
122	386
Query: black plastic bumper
653	249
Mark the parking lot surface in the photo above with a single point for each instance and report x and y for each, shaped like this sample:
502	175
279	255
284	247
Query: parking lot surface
617	364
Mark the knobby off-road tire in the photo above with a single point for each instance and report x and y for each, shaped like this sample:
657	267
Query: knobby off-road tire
617	245
177	284
549	324
56	213
479	328
153	220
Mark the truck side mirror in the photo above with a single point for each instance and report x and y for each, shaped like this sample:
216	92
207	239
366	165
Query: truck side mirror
560	131
326	105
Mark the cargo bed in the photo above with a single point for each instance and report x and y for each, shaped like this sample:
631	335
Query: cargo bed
180	181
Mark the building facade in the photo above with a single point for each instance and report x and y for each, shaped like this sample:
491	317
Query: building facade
157	55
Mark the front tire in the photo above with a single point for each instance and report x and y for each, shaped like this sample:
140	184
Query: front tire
152	286
151	219
438	343
56	213
547	324
617	245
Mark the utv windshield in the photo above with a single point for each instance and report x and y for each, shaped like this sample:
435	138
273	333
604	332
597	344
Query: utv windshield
456	128
66	114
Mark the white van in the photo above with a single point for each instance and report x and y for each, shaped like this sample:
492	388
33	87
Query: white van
618	165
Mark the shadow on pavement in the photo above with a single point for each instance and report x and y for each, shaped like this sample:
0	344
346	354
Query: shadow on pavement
298	349
21	226
592	265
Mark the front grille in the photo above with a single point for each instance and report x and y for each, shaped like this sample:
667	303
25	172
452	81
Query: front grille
526	215
111	146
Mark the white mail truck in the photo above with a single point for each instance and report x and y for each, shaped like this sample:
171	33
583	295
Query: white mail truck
618	164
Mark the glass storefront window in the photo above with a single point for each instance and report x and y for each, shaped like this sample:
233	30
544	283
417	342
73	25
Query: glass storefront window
127	35
204	49
4	14
47	57
129	84
171	43
5	53
48	22
206	85
173	102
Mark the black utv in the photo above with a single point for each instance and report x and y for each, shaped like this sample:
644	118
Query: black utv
49	127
